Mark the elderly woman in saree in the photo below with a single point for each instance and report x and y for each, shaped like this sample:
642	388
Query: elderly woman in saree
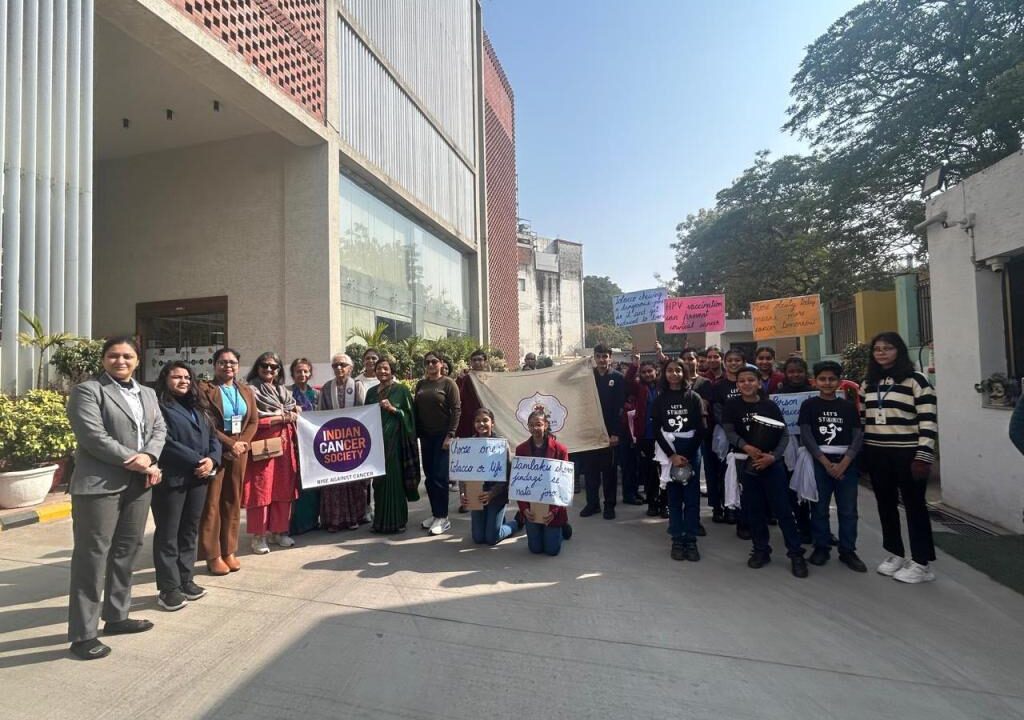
342	505
305	510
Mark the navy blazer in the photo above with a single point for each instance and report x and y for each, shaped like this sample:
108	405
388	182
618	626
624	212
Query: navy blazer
189	440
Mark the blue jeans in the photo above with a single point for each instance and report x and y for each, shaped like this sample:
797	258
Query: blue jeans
684	507
770	489
845	490
543	538
489	526
435	468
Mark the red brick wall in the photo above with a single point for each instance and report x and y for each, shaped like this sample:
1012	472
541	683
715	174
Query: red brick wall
502	207
283	39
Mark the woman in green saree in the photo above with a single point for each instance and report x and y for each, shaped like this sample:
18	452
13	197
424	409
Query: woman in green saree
390	497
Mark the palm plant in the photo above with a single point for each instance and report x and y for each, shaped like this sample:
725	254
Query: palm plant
40	341
370	338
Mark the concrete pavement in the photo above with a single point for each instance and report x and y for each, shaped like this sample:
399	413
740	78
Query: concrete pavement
356	626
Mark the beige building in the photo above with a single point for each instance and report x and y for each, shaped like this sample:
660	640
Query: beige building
550	295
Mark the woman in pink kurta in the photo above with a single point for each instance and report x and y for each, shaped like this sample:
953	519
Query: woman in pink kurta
271	485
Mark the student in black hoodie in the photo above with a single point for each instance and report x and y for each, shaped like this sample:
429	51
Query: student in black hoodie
678	420
723	389
762	475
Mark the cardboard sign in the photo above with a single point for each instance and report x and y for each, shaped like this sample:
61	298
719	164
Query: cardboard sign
786	317
789	404
478	460
700	313
644	337
642	306
337	446
541	480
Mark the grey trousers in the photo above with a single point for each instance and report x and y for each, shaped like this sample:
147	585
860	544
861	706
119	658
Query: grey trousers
108	531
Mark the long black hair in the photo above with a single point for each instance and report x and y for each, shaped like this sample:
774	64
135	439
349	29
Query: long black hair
900	370
192	399
663	380
254	374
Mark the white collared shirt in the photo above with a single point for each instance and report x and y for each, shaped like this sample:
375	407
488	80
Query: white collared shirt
133	396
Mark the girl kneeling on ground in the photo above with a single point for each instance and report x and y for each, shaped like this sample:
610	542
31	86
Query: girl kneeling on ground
544	534
489	525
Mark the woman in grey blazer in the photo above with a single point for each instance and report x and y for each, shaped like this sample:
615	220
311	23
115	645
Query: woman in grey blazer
120	433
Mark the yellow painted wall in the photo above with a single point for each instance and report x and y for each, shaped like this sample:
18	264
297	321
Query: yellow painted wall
876	312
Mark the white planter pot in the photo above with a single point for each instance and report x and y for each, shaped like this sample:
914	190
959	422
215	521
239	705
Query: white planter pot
24	488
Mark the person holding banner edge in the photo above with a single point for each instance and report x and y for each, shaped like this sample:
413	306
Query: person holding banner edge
390	494
305	510
544	534
342	505
489	525
438	409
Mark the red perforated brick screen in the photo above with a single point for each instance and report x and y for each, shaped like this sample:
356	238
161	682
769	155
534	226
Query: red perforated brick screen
502	207
283	39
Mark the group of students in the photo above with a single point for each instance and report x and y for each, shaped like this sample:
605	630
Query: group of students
668	417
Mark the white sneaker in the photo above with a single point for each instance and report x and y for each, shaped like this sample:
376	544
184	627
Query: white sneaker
891	565
441	525
284	540
259	545
428	523
914	573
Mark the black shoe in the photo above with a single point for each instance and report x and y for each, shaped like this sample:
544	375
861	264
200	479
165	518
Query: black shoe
850	560
170	600
632	501
691	553
730	516
590	510
718	516
192	591
652	511
609	513
463	509
567	532
758	559
701	532
743	533
89	649
820	556
799	567
126	627
663	513
678	552
833	540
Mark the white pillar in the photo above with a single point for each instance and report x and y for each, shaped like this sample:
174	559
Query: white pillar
27	275
71	209
44	119
58	163
12	201
85	176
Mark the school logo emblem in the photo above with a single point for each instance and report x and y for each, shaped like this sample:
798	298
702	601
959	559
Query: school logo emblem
551	405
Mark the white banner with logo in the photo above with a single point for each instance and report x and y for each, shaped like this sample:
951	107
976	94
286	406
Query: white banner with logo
338	446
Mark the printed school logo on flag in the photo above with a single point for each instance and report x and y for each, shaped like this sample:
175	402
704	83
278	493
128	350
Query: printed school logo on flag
342	444
551	405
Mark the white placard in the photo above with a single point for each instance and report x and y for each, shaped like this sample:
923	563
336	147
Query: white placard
478	460
541	480
789	404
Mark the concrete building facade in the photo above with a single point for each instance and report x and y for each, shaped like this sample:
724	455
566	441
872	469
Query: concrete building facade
976	264
264	173
550	295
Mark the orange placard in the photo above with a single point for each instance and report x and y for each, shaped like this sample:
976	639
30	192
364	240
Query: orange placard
786	317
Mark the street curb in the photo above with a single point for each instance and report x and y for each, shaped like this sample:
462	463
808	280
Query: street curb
31	516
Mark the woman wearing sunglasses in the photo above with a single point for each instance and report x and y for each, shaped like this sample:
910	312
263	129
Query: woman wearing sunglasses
271	482
343	505
438	408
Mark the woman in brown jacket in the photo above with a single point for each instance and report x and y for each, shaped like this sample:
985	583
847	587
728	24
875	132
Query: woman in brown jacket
235	417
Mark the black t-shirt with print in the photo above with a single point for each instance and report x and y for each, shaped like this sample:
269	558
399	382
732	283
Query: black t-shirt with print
831	421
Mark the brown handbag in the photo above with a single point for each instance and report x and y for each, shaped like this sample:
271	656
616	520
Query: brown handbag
266	449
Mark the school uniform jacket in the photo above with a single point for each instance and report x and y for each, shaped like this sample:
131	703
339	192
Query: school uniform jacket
554	451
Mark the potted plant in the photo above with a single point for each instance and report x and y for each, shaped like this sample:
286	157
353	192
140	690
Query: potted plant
34	434
78	359
997	390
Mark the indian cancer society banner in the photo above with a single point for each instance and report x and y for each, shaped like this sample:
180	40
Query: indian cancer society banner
337	446
642	306
786	317
700	313
541	480
567	393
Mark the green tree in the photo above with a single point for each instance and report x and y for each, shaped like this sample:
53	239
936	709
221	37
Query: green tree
597	299
771	234
609	334
41	341
897	87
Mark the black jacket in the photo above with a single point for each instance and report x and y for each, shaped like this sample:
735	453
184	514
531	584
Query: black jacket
189	440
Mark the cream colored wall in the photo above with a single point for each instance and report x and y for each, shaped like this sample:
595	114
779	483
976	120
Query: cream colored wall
247	218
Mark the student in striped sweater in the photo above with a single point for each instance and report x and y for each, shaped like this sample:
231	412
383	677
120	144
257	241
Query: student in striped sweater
900	429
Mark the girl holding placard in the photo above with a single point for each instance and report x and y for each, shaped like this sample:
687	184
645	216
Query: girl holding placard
544	533
487	523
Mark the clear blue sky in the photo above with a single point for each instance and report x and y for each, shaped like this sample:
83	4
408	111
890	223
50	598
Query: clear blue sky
629	116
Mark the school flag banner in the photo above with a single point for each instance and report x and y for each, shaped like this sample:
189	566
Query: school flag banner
338	446
541	480
640	307
699	313
786	317
567	393
789	404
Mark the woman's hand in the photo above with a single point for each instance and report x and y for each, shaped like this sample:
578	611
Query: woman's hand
484	498
546	520
752	452
920	470
679	461
139	462
446	443
386	406
528	514
153	476
839	469
293	417
240	448
204	468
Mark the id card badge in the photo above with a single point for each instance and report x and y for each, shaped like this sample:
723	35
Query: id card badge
879	416
236	424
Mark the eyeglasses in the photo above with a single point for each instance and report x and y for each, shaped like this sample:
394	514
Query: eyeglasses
226	363
433	361
269	366
340	365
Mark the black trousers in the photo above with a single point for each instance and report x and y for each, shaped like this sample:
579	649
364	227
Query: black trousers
176	512
599	472
891	480
650	474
